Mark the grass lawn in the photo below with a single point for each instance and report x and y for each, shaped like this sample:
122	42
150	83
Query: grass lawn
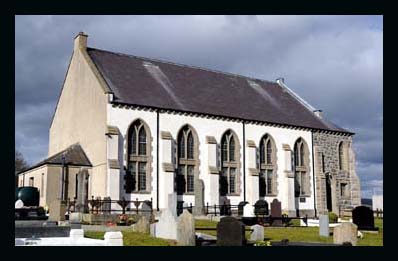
294	234
303	234
131	238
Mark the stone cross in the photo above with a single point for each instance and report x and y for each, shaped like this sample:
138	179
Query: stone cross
230	232
186	229
324	225
346	232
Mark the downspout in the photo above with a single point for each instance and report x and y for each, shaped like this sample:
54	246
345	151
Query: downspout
313	172
244	163
157	160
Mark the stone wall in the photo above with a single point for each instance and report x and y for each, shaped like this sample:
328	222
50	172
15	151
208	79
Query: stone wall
326	146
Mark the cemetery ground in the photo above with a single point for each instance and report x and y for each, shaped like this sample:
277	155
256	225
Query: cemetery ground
293	234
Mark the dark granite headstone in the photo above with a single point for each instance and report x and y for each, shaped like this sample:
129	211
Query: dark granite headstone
230	232
106	205
261	208
276	211
362	216
225	206
240	207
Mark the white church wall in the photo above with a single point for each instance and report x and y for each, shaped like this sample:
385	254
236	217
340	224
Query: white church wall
122	118
282	136
172	123
204	127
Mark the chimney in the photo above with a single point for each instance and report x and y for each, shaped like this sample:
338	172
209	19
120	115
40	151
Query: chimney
318	113
80	41
280	80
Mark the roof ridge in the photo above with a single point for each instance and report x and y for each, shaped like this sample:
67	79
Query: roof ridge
183	65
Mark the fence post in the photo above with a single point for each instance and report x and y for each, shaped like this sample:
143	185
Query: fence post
207	208
215	210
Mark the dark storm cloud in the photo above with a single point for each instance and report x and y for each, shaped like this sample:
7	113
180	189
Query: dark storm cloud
334	62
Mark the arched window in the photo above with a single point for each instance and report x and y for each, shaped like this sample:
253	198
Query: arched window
229	165
301	168
267	166
341	156
136	176
186	161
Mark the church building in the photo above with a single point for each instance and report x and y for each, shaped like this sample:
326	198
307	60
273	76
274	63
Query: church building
145	128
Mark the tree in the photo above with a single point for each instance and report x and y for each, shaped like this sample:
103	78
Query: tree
20	162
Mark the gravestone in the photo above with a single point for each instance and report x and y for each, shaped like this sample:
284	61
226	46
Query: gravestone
362	216
248	211
166	227
230	232
172	203
241	206
225	206
19	204
258	233
186	229
82	193
324	225
346	232
198	208
142	226
276	211
106	205
146	208
261	208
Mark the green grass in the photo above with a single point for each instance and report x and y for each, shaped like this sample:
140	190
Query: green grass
303	234
131	238
293	234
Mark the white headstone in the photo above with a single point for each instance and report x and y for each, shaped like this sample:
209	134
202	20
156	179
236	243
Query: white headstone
113	238
172	203
166	227
324	225
248	211
19	204
258	233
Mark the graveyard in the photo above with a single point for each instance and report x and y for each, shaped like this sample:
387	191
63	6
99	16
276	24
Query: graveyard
296	234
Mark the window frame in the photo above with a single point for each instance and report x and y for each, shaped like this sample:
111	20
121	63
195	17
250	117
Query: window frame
187	158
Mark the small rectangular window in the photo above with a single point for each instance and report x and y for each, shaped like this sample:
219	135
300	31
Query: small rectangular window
232	180
142	176
190	179
42	186
31	182
343	190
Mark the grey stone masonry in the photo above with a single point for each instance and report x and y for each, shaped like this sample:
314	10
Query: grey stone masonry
327	165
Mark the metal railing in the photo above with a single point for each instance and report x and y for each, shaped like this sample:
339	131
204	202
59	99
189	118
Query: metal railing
100	205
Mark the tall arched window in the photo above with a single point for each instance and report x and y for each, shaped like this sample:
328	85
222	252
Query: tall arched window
341	156
267	166
137	159
186	161
229	165
301	168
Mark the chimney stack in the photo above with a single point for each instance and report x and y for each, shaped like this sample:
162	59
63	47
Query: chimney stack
318	113
80	41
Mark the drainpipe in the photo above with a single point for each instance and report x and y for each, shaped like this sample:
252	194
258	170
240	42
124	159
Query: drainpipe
313	172
157	160
244	163
62	177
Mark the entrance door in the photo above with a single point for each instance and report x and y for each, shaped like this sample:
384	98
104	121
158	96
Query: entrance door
328	193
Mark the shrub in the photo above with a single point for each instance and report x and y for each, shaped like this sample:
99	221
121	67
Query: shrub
333	217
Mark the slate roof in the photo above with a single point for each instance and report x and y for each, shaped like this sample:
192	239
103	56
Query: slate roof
74	155
158	84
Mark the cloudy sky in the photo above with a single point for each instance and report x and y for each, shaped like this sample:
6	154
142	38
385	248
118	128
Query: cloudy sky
333	62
